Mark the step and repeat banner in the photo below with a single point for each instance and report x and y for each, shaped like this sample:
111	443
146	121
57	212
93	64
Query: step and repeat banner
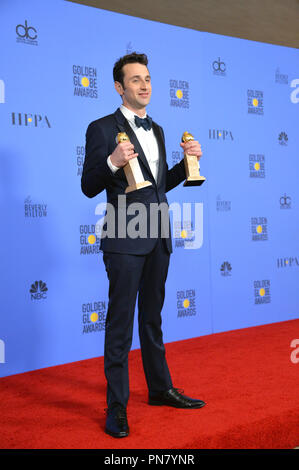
235	260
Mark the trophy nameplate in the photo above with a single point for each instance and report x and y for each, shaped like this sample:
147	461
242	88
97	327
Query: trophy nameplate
191	165
132	169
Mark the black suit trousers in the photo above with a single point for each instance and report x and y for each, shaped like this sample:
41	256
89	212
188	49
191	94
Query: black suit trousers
129	276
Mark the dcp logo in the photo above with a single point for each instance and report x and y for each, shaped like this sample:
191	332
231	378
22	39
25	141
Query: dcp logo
26	32
285	202
219	66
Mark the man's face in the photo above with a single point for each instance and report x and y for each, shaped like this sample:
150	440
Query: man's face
137	89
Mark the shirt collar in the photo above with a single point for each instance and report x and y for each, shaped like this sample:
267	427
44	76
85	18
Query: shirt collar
129	115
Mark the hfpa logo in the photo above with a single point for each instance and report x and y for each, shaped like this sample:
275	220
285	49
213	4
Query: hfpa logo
2	92
2	352
295	93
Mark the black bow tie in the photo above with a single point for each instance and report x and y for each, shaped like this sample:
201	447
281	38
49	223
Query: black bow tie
146	123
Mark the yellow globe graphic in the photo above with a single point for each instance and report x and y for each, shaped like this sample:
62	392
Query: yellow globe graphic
179	94
255	102
94	317
91	239
84	81
183	234
257	166
259	229
262	292
186	303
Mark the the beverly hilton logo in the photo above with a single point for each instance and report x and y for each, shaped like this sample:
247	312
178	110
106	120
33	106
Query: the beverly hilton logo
281	77
34	210
85	81
221	205
179	93
255	102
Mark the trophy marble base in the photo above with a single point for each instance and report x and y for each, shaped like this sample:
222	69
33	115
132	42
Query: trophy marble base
192	171
134	176
132	169
136	186
194	181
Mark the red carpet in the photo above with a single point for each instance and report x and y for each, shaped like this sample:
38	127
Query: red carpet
245	376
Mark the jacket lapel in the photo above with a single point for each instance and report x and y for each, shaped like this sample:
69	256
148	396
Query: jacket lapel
162	152
124	126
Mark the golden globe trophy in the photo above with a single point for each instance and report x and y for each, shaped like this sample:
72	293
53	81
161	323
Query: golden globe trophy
191	165
132	169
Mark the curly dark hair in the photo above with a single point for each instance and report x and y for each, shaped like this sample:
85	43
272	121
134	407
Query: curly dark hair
118	74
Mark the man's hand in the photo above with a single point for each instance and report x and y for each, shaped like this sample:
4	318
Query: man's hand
192	147
122	154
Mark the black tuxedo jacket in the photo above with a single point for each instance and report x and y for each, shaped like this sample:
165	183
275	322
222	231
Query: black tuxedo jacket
97	176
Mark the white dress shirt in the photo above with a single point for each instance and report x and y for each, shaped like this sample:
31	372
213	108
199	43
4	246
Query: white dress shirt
147	141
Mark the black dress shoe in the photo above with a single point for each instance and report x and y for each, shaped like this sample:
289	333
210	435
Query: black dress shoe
174	398
116	422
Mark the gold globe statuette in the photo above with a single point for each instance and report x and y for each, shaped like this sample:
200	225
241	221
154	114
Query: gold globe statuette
191	165
132	169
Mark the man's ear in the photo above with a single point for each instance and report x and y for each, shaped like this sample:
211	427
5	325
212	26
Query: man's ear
119	88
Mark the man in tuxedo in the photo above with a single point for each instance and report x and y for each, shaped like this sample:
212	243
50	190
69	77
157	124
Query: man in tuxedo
136	265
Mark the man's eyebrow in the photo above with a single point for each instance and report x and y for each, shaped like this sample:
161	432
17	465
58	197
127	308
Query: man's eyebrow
139	76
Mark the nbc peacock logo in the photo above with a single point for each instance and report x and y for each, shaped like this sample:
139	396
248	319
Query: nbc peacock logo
226	269
283	138
38	290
